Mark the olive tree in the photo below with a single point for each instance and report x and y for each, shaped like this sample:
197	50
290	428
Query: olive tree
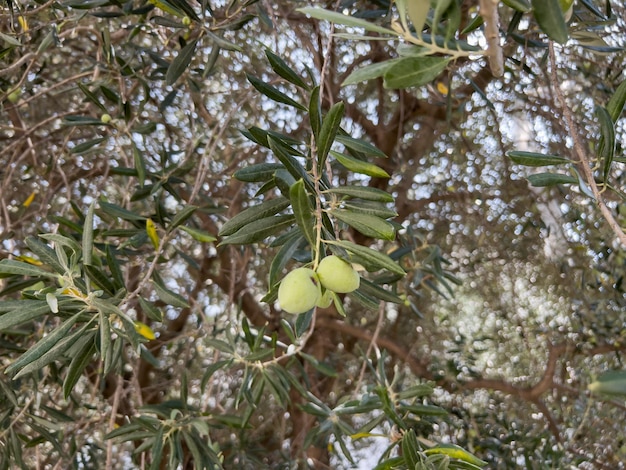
256	234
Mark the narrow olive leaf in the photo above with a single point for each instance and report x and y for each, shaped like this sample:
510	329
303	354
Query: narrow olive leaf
328	132
550	18
359	145
45	254
167	296
76	368
87	239
16	312
221	43
362	192
55	352
259	230
368	225
101	279
369	207
418	12
414	71
281	68
180	63
536	159
84	146
455	452
257	173
519	5
315	112
9	266
199	235
43	346
374	257
551	179
359	166
150	310
339	18
260	211
369	72
114	266
303	211
606	143
410	449
273	93
140	165
284	255
615	106
374	290
119	212
295	169
106	353
181	217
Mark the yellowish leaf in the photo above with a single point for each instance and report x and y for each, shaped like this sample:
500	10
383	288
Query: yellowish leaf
442	88
152	233
23	23
29	260
144	330
29	200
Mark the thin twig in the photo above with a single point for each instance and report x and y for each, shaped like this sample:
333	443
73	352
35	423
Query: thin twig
372	344
579	150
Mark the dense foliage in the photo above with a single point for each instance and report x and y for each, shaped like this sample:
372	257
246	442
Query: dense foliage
166	164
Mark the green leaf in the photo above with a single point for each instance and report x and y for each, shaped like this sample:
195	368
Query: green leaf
17	312
615	106
414	71
606	143
410	449
150	310
166	295
87	239
257	173
77	366
259	230
260	211
180	63
455	452
551	179
9	266
368	225
362	192
315	112
281	259
273	93
369	72
359	166
199	235
181	217
101	279
361	146
84	146
119	212
45	254
43	346
328	131
303	212
536	159
292	165
371	289
140	165
519	5
368	207
375	257
610	383
339	18
417	11
551	20
281	68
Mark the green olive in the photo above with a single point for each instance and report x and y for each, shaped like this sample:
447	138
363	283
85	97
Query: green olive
299	291
338	275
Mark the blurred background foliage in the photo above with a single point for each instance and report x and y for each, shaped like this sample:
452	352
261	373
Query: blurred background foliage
121	126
